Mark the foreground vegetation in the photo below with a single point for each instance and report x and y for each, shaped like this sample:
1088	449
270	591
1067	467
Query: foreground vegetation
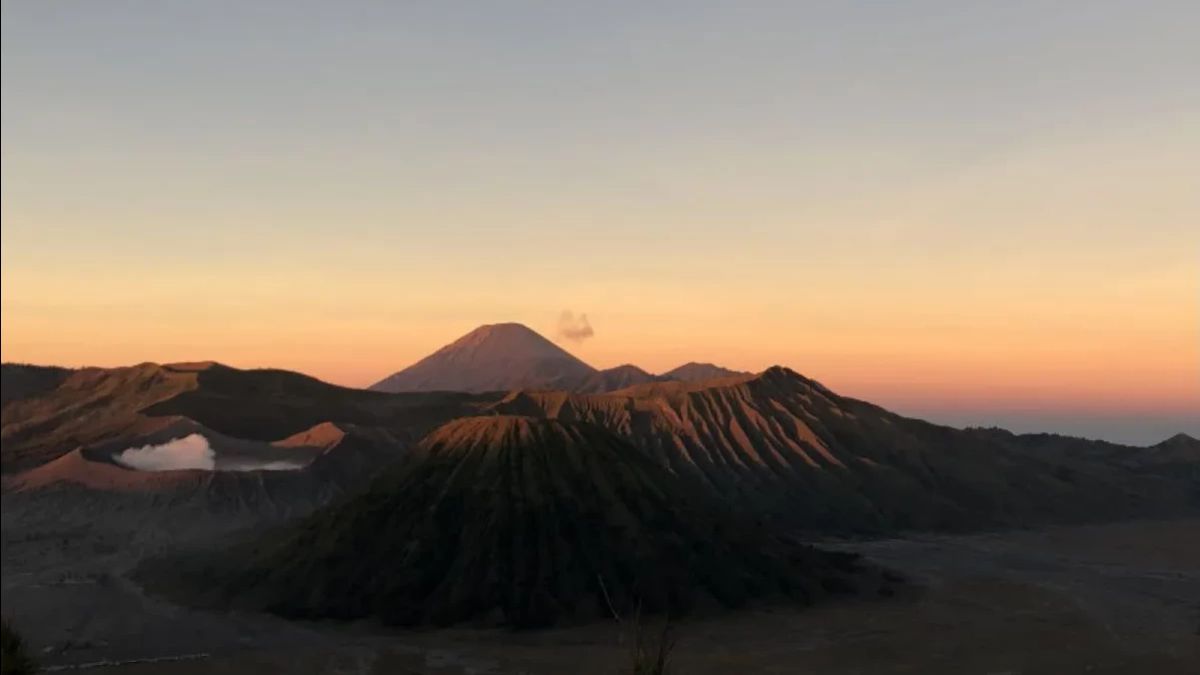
14	653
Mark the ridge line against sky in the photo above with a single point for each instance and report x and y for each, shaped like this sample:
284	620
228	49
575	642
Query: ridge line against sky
970	212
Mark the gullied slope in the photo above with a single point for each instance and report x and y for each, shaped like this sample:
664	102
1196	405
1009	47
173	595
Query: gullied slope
60	447
87	479
271	404
518	521
111	406
89	405
790	448
776	444
494	357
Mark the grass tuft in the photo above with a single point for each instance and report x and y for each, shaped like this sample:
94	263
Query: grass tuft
14	653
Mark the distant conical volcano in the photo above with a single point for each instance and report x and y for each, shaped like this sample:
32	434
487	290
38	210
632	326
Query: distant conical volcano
492	358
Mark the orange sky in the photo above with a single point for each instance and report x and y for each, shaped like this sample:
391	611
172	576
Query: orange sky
1123	342
954	227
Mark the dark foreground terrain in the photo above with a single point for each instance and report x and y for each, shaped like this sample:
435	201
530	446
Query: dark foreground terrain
1115	598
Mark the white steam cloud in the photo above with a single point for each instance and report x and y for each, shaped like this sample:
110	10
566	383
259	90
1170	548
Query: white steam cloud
189	452
574	328
194	452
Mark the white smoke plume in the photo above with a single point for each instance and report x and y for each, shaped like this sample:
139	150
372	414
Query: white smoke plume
574	328
250	464
189	452
194	452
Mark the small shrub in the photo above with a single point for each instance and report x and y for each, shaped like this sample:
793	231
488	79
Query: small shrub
14	655
651	652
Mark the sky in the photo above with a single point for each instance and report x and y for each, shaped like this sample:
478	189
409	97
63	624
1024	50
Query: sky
974	212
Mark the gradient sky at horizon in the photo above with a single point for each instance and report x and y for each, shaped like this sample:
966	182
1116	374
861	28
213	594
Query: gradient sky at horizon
979	213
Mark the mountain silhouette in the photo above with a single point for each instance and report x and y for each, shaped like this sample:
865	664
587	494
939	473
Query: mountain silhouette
778	445
506	356
698	372
612	379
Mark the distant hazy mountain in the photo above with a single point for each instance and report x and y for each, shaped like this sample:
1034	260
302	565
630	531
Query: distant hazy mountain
613	379
1180	443
495	357
505	356
696	372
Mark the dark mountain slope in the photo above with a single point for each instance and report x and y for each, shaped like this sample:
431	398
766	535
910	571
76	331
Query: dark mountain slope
114	405
786	446
90	405
22	380
270	404
1180	447
519	521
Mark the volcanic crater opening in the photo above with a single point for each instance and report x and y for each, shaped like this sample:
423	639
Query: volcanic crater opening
194	451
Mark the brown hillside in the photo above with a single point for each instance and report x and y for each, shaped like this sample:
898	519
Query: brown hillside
519	521
788	446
